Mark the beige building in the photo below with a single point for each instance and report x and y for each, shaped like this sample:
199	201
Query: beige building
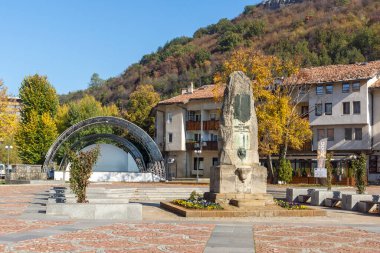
342	103
14	105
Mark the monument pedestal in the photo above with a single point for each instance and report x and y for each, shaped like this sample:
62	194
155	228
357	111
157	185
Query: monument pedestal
243	186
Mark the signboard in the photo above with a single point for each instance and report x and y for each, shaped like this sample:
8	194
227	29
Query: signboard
320	172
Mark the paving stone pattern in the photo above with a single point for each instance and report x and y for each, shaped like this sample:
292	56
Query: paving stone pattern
24	227
314	239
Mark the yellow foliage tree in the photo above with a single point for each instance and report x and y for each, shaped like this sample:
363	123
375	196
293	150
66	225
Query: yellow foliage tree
279	124
8	127
140	104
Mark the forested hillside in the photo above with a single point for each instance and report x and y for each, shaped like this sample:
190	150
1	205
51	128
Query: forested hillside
312	32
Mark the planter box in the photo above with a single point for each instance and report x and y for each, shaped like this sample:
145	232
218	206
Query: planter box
109	211
267	211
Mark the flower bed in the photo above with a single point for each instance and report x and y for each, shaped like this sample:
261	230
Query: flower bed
196	201
290	205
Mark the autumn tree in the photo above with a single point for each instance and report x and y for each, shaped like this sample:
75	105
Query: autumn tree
279	124
139	106
37	130
82	109
8	127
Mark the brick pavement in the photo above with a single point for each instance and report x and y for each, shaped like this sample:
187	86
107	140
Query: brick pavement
21	230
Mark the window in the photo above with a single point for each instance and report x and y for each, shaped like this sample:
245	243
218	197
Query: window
329	89
348	134
197	137
356	105
215	161
320	134
170	117
330	134
346	107
197	117
374	164
198	163
358	134
190	115
170	137
328	108
304	110
212	116
214	137
356	87
318	109
319	90
345	88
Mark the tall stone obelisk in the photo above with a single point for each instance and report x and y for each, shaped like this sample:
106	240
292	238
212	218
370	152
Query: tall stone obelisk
239	179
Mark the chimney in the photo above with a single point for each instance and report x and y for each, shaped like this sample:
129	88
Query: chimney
191	88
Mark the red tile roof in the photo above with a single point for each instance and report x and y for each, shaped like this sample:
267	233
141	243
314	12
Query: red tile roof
204	92
336	73
324	74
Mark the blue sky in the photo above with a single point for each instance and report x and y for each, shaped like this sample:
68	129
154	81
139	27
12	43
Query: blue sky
69	40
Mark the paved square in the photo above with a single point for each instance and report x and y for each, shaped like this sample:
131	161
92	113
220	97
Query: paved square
24	227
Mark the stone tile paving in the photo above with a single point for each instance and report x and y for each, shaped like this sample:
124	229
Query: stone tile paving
122	237
314	239
14	199
8	226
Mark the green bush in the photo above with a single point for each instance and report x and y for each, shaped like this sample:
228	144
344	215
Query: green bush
359	167
329	168
80	171
285	171
229	41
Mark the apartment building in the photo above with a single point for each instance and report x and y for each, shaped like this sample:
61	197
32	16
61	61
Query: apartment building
342	103
14	105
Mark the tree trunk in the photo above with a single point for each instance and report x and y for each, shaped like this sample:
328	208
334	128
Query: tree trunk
272	172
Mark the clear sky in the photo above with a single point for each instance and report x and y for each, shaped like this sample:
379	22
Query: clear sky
69	40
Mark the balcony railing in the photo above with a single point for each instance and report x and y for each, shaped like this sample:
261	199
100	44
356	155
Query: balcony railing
206	145
207	125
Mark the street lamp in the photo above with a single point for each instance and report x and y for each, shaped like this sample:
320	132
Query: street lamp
198	152
8	148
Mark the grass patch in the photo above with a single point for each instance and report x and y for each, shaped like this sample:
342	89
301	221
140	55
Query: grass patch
196	201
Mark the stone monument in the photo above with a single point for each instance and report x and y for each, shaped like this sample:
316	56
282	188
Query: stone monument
239	179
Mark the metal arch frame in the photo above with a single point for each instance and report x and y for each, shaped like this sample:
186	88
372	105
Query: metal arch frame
156	161
90	139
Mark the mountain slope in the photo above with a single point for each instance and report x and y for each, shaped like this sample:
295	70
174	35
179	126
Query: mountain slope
313	32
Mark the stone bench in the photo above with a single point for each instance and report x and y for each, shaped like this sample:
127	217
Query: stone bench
298	195
318	197
367	206
351	201
333	202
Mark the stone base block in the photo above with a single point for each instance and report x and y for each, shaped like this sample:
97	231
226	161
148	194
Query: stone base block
96	211
366	207
351	201
332	202
293	194
319	197
240	199
245	179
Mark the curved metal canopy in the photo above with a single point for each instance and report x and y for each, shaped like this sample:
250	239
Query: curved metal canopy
155	160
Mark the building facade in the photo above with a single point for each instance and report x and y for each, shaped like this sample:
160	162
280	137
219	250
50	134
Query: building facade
342	103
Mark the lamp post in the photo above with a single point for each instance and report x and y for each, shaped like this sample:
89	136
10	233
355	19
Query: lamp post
8	148
198	152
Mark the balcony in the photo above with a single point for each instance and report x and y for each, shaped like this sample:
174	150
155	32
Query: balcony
207	125
207	145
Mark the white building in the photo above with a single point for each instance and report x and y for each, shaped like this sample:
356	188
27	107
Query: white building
342	103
